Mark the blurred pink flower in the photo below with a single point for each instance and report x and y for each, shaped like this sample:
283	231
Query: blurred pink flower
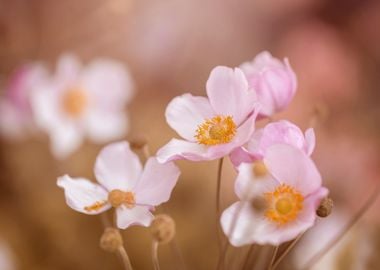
288	186
274	133
212	127
79	102
123	184
274	82
15	111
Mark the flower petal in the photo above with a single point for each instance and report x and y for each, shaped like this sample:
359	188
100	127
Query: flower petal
103	127
186	112
309	141
247	185
111	75
68	68
179	149
156	183
117	167
291	166
228	92
240	155
81	194
138	215
65	138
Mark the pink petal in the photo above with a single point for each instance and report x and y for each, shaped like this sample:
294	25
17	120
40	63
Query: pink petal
156	183
186	112
117	167
237	223
277	133
138	215
240	155
111	75
68	68
65	137
180	149
247	185
81	193
229	95
293	167
309	141
102	126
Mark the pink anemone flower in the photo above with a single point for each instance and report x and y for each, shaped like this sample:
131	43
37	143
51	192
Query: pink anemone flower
123	184
274	82
280	132
15	111
278	198
212	126
79	102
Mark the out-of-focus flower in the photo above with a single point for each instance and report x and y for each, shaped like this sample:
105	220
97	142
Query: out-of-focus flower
278	198
280	132
212	127
15	111
124	185
79	102
274	82
6	257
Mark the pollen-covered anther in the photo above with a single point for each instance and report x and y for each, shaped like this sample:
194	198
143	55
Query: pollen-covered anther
95	206
217	130
74	101
259	169
284	204
118	197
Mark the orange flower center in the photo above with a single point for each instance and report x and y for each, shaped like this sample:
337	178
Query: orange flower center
118	197
217	130
96	206
284	204
74	102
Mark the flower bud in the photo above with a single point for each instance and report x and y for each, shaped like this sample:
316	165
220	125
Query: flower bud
111	240
259	204
138	142
162	228
325	207
273	81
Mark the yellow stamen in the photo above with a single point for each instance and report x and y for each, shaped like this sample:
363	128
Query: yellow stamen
217	130
118	197
95	207
259	169
74	101
284	204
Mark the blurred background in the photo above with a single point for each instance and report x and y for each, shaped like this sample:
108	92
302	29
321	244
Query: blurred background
170	47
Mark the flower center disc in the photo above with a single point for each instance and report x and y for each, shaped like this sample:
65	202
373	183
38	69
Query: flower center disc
284	204
74	102
118	197
217	130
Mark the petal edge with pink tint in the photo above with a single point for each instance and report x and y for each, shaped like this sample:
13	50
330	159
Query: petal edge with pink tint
137	215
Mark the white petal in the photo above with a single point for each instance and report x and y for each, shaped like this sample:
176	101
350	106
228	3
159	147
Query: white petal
186	112
103	127
180	149
68	68
138	215
117	167
229	94
293	167
81	193
156	183
65	138
309	141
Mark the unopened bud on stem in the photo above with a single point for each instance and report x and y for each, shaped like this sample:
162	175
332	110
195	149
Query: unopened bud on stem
162	229
111	240
325	208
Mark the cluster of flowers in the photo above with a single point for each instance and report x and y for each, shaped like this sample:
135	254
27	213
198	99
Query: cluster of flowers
278	185
73	103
